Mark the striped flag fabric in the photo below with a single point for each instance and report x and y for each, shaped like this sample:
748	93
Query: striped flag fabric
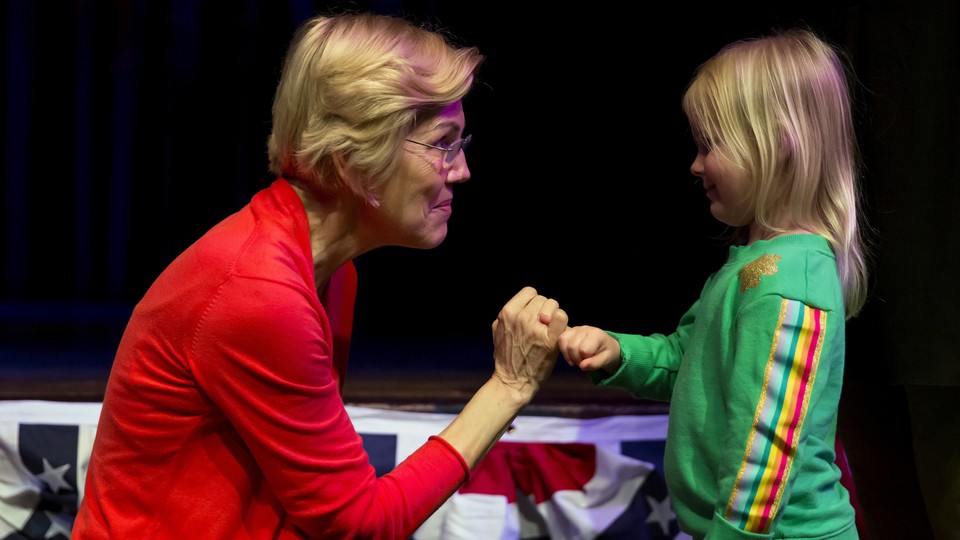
548	478
44	454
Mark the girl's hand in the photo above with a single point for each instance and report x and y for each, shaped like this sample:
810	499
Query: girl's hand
590	349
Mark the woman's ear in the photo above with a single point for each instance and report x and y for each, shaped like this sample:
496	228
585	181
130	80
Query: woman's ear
349	179
340	166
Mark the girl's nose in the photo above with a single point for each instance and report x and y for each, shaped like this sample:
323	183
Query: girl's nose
696	168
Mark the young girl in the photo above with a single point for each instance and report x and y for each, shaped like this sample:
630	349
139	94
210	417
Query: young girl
753	371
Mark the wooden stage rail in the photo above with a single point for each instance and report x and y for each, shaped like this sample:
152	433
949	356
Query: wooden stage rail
567	394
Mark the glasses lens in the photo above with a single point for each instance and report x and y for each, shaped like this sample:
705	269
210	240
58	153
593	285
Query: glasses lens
455	149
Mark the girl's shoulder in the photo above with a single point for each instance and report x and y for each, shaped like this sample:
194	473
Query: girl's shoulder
800	267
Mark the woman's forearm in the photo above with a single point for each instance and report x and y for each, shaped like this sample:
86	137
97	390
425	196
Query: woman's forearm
484	419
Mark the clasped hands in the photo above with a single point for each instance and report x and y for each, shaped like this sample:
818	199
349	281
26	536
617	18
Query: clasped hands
531	332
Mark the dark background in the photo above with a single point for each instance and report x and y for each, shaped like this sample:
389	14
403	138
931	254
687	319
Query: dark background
131	127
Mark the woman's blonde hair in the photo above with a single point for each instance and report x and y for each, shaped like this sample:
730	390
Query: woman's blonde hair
779	107
352	88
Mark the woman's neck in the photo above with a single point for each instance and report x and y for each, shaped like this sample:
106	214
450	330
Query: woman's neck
334	232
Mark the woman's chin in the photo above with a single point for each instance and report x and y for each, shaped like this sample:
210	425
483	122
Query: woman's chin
429	240
436	240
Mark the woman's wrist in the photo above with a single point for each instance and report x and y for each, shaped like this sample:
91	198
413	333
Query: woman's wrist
514	392
485	418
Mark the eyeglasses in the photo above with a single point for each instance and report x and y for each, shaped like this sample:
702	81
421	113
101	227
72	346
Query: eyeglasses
451	152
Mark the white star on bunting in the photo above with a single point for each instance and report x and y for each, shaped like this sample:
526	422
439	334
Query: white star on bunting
661	512
53	476
58	525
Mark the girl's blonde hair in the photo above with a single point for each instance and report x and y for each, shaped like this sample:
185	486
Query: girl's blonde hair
780	108
352	89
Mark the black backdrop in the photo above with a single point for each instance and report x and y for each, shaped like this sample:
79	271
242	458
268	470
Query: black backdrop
131	127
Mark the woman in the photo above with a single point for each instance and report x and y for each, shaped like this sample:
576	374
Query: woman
223	416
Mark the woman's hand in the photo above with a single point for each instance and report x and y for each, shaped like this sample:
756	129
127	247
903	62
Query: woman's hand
525	351
525	347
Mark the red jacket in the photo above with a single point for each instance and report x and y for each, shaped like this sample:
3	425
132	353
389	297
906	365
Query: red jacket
223	417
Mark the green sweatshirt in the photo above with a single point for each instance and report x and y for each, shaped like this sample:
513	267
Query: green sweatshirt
753	375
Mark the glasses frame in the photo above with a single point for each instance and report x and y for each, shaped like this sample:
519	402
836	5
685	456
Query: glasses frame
451	152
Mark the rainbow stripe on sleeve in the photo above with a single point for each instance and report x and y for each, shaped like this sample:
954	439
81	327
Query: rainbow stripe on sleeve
788	380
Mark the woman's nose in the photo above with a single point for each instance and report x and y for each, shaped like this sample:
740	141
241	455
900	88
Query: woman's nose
459	170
